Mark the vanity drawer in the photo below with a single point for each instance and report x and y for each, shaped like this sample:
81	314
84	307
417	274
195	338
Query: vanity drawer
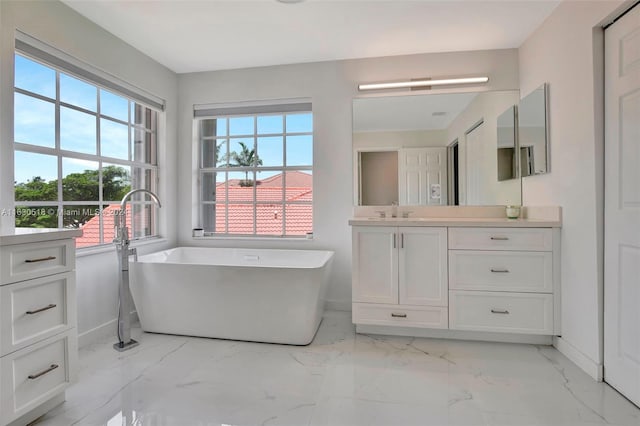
526	239
527	313
398	315
35	309
25	261
501	270
31	376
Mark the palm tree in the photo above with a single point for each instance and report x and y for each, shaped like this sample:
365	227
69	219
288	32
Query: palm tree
246	158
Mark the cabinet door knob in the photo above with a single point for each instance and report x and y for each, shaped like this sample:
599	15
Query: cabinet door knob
499	311
398	315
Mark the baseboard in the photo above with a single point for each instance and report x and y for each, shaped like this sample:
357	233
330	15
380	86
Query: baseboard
338	305
454	334
589	366
102	332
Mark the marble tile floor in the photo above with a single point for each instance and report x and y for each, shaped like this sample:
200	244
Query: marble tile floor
342	378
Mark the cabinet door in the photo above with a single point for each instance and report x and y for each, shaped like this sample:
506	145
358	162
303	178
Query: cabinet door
423	266
375	264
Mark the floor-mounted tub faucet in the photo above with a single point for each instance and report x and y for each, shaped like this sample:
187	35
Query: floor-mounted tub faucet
121	240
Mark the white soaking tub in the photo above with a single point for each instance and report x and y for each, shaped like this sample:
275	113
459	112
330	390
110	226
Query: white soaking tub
260	295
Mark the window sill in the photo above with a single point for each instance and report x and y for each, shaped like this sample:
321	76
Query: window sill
251	238
107	248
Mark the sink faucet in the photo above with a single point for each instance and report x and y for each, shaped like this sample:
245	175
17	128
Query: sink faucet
123	251
394	209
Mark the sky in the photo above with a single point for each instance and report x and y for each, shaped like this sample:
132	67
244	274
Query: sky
34	124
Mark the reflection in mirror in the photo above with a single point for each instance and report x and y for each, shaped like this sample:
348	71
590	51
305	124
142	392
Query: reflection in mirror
507	159
445	146
533	136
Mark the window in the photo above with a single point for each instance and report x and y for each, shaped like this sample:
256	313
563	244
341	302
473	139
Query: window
256	170
78	148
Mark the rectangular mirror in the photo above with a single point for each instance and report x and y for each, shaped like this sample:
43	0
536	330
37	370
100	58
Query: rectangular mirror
507	158
445	146
533	133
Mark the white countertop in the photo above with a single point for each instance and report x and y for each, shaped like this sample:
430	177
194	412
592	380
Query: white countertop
489	222
34	235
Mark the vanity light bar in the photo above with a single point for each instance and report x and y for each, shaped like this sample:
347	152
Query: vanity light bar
422	83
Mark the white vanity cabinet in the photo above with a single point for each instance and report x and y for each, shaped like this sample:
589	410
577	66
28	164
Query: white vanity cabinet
470	276
400	276
38	342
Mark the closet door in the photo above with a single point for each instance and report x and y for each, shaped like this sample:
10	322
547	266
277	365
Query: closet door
622	206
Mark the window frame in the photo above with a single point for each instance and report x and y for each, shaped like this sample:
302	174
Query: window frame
254	111
130	164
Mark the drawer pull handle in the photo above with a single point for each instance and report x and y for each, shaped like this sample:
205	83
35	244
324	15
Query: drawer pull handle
399	315
42	373
46	308
499	311
501	271
500	238
42	259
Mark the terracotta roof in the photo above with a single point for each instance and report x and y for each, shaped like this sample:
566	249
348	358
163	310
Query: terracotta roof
269	192
268	211
91	229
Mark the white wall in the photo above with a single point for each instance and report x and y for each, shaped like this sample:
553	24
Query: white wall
400	139
59	26
332	87
566	52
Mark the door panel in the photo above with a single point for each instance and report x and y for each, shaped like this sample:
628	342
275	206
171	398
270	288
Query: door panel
622	206
375	264
423	176
423	266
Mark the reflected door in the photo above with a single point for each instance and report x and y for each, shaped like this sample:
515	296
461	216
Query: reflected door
622	206
423	176
475	161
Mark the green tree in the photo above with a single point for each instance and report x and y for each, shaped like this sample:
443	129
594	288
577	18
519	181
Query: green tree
246	158
82	186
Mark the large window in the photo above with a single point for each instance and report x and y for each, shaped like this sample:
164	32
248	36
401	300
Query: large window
79	147
256	171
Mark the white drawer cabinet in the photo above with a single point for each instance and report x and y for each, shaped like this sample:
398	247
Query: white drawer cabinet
32	376
528	313
528	239
400	315
36	309
501	270
38	343
20	262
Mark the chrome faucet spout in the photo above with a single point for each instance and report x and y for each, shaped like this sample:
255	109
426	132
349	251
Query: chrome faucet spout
128	195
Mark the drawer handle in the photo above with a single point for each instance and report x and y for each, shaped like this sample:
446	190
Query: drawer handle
42	373
399	315
501	271
46	308
499	311
500	238
42	259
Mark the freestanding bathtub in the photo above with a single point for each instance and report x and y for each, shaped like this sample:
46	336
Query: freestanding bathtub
274	296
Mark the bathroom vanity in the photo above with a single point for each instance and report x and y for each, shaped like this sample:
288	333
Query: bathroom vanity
481	278
38	338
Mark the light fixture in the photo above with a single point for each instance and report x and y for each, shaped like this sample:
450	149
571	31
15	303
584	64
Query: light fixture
422	83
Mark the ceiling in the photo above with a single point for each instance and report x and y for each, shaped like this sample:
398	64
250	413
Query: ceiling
401	113
204	35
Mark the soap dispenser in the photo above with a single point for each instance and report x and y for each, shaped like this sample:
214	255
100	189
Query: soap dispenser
394	209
